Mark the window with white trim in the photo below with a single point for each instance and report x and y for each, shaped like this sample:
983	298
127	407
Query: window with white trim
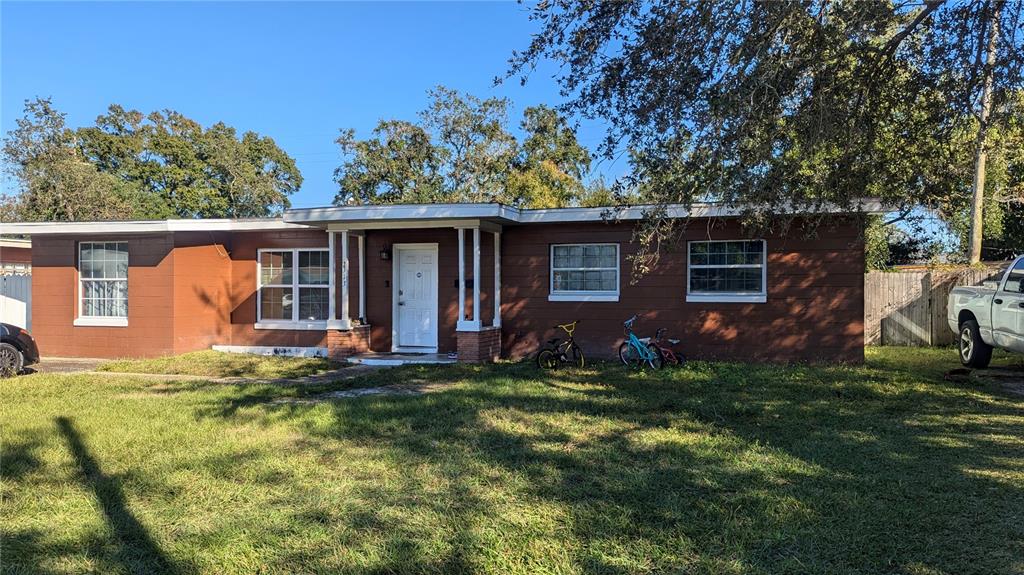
727	270
582	272
293	286
103	279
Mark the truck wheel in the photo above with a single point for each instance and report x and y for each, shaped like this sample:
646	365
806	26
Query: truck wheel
974	352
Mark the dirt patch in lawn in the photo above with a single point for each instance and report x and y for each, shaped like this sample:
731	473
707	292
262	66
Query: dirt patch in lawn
412	387
1009	379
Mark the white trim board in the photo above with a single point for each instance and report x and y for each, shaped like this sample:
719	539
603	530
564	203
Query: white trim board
415	215
273	350
148	226
379	216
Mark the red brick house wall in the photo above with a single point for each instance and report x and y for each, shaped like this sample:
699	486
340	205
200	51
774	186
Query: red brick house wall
150	299
191	290
814	308
244	299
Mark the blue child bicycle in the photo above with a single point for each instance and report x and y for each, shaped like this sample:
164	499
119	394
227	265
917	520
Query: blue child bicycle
635	351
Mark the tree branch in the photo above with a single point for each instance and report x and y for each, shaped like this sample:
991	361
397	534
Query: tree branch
894	42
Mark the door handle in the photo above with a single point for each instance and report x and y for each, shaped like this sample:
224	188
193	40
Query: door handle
997	301
401	303
1021	304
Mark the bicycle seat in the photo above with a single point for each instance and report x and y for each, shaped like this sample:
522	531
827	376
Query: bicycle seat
673	341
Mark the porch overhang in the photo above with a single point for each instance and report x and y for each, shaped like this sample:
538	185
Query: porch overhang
405	215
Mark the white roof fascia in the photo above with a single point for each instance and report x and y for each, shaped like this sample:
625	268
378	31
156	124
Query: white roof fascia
402	212
407	214
154	226
337	217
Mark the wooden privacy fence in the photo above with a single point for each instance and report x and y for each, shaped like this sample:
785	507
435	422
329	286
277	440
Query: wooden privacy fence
909	307
16	299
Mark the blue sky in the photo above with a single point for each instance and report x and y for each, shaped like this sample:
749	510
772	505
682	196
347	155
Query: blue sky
295	72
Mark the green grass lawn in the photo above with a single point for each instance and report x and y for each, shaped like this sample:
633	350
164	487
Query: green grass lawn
221	364
717	468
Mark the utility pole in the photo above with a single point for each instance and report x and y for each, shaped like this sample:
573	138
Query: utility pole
980	153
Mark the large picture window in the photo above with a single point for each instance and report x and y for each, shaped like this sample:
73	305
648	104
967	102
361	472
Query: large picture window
727	271
293	288
103	283
584	272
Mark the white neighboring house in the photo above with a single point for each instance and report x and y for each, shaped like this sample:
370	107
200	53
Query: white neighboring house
15	283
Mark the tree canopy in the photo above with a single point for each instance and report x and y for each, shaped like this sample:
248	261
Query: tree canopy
461	150
798	104
143	166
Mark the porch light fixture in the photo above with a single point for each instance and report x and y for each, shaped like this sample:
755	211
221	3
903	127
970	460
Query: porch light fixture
385	253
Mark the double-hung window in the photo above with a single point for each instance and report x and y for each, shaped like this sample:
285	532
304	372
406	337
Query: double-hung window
102	283
293	288
584	272
727	271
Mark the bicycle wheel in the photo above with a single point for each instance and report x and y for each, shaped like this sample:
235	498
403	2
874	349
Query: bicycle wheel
629	355
656	361
547	358
577	356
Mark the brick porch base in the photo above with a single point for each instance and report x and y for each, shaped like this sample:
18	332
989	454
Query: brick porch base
342	344
479	346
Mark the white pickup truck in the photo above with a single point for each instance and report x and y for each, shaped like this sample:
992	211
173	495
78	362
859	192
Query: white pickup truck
990	315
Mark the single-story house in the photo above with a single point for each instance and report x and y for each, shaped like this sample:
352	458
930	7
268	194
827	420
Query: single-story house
482	280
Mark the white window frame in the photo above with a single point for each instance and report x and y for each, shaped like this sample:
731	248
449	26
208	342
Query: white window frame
82	320
294	323
566	295
728	297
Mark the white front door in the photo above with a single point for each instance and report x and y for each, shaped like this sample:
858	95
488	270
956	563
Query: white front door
416	297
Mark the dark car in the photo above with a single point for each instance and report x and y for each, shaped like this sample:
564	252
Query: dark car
17	349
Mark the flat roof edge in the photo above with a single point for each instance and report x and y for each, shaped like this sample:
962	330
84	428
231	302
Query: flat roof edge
149	226
306	218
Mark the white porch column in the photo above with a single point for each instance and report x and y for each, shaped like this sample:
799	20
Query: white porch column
476	278
344	322
332	312
462	277
497	280
362	278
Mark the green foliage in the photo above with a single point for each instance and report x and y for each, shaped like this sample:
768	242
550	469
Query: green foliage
473	137
1004	183
876	244
135	166
462	151
776	106
887	244
399	164
57	182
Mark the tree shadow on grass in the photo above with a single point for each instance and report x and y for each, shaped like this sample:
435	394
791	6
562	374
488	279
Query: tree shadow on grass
722	468
137	552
